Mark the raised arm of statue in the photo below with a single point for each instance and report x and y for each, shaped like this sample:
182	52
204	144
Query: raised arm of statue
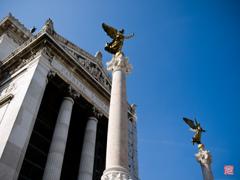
129	36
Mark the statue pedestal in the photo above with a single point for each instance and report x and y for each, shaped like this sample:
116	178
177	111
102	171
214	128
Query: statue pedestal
205	160
117	140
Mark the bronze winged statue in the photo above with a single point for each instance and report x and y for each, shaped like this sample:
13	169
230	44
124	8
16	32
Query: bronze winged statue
195	128
115	46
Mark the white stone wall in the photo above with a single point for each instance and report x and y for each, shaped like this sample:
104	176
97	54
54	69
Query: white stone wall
132	148
19	118
7	46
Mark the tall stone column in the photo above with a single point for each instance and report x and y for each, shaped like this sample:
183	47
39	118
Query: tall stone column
205	160
88	150
117	140
56	153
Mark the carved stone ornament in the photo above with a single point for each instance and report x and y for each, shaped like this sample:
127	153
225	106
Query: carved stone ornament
90	66
73	93
9	89
47	52
52	73
49	26
133	108
96	112
116	174
204	156
119	63
99	55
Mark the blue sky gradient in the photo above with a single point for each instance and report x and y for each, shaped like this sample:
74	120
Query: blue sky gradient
186	60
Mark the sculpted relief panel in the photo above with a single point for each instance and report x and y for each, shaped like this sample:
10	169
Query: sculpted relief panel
91	67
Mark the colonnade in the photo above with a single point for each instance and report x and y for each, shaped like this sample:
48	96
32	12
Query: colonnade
55	158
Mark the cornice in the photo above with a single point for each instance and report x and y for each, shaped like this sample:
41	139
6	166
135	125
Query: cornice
6	61
10	23
36	45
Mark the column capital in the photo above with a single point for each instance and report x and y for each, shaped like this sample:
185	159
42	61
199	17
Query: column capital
117	172
72	92
119	63
52	73
94	112
203	156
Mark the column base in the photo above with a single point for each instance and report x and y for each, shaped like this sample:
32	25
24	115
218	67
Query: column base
116	173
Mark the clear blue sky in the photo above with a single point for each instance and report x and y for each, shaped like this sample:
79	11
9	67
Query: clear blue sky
186	61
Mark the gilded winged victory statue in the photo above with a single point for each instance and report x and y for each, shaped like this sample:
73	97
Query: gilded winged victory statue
115	46
195	128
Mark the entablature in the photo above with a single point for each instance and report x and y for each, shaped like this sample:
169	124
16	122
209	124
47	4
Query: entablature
14	29
80	63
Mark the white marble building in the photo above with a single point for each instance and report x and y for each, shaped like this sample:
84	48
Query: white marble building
54	108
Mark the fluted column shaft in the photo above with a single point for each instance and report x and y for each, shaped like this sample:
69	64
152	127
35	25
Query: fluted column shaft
88	150
56	153
207	171
117	140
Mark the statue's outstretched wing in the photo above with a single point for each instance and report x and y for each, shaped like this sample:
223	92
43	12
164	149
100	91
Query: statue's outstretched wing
110	31
190	123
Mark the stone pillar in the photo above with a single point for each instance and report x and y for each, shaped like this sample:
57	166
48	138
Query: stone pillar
16	127
117	140
205	160
56	153
88	150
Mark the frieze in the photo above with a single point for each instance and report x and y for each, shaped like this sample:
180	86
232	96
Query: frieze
91	67
71	78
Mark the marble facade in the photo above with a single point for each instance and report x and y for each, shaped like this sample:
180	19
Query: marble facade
48	82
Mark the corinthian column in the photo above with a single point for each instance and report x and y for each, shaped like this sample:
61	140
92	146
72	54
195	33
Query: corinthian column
117	140
56	153
205	160
88	150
